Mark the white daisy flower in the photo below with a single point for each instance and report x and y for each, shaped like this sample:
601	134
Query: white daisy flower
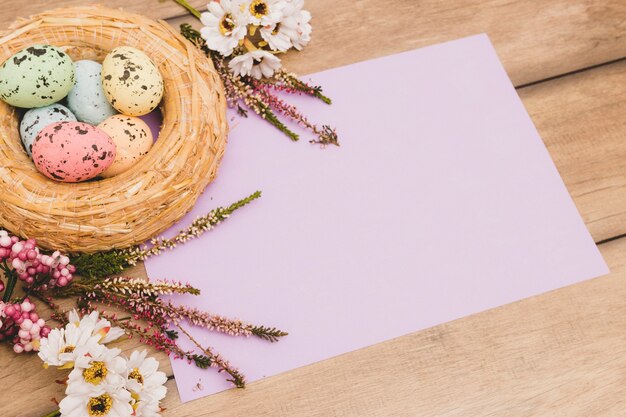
62	346
106	401
278	37
95	366
101	327
224	25
295	24
257	64
266	12
145	383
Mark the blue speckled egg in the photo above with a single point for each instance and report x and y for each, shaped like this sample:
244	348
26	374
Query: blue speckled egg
36	76
35	120
87	100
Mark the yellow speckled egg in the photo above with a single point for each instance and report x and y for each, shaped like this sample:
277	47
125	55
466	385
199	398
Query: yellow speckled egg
132	138
131	82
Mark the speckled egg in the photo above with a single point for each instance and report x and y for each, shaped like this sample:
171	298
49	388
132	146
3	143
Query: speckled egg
35	120
36	76
132	138
72	151
87	100
131	81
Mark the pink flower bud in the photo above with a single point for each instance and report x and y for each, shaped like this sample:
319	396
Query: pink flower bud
18	348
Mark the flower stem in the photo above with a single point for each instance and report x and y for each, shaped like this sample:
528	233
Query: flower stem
189	7
11	281
55	413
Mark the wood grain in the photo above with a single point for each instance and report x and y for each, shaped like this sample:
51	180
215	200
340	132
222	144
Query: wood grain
558	354
582	120
535	39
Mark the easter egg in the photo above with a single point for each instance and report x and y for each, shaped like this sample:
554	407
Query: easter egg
72	151
131	81
35	120
87	100
132	138
36	76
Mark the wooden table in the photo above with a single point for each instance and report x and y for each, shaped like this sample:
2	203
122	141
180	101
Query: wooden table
558	354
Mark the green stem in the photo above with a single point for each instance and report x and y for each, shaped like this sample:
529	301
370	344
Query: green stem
271	117
11	281
55	413
189	7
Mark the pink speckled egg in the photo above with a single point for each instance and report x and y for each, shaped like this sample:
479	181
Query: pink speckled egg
72	151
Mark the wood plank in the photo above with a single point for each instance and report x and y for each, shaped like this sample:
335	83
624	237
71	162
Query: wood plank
534	39
158	9
568	350
582	120
558	354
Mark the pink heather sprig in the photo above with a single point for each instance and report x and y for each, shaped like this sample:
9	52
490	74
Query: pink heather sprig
23	260
325	135
21	326
152	318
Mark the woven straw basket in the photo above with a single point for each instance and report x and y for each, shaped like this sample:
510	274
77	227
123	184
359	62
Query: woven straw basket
144	201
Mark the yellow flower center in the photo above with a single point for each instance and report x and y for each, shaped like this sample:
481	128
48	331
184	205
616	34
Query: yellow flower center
259	8
68	349
136	376
227	24
99	406
96	373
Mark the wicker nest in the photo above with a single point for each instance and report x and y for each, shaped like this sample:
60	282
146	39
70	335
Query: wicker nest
144	201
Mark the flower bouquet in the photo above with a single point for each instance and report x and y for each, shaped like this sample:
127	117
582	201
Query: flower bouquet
244	39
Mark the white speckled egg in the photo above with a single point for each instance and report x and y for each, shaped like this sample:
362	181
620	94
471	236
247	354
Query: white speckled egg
35	120
87	100
36	76
132	138
132	83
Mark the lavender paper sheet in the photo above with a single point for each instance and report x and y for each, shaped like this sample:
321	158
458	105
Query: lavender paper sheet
441	202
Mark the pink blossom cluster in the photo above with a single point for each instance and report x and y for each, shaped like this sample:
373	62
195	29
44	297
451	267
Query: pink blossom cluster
24	257
22	326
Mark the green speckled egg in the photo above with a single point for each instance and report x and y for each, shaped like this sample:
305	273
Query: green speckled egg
36	76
